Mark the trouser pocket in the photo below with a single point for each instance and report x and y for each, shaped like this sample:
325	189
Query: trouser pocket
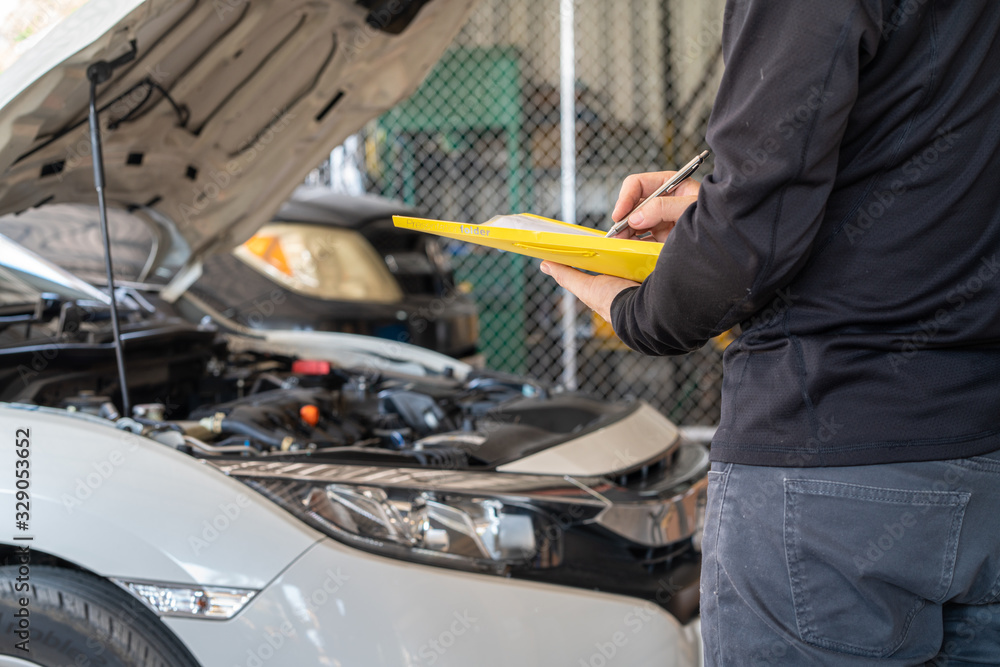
710	614
863	561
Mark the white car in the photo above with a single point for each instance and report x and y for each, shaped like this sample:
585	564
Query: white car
291	498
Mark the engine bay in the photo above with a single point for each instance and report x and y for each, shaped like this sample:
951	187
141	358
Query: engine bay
190	389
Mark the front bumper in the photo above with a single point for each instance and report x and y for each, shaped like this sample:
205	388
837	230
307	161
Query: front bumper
340	606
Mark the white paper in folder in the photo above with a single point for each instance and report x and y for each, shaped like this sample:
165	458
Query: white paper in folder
534	224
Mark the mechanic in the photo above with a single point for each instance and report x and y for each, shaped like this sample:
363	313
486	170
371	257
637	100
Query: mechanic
851	228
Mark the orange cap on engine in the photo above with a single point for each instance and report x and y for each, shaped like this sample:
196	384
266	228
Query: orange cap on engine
309	414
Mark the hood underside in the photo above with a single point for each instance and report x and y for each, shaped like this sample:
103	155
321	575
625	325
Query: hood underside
225	108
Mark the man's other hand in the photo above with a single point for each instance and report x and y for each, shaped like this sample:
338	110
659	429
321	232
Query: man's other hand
597	292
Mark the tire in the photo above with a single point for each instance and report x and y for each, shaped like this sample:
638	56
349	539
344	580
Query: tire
79	619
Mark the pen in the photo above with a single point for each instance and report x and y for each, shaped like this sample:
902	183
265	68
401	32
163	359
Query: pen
669	186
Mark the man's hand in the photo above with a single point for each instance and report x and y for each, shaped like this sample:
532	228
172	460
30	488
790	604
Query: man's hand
597	292
659	215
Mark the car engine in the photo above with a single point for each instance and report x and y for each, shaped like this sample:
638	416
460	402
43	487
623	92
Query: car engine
185	380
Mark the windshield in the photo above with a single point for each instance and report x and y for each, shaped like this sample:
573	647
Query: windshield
14	291
24	271
69	236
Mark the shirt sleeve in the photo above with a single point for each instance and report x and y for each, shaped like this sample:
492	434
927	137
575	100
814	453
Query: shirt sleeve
790	83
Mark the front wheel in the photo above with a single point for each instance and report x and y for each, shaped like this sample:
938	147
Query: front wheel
79	619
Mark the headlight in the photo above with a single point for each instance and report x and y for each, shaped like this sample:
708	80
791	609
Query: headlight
321	261
633	535
468	532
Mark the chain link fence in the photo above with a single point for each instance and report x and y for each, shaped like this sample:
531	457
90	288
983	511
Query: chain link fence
481	137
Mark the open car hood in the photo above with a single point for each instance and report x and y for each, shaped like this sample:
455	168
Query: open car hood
225	108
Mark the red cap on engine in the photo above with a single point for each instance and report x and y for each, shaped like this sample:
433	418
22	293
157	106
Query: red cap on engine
311	367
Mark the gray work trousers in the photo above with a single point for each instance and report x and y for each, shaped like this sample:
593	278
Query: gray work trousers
895	564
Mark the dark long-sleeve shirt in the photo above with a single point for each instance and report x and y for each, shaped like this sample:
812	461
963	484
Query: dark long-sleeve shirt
852	228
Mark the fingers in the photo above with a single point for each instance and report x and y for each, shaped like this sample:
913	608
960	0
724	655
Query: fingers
658	233
659	210
567	277
658	216
638	186
635	188
597	292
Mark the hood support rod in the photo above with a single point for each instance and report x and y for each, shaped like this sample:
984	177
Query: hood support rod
98	73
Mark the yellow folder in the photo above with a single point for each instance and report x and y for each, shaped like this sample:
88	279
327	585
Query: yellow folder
581	247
